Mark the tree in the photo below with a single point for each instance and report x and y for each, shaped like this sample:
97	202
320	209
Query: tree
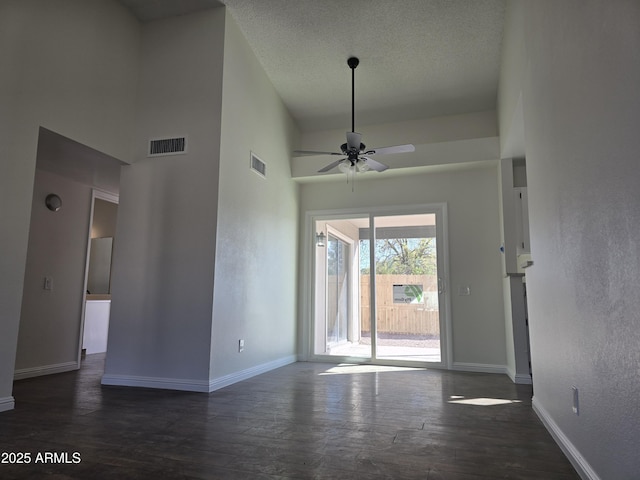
402	256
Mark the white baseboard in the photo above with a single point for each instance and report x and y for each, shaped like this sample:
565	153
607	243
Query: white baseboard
7	403
226	380
184	384
519	378
45	370
577	460
479	367
192	385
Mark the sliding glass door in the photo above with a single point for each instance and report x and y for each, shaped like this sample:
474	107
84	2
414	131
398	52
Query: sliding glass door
379	292
406	288
338	290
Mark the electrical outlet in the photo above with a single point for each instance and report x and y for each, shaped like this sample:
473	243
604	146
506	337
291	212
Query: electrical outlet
240	345
576	400
464	291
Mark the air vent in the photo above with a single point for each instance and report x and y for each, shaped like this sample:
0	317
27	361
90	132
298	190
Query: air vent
258	165
167	146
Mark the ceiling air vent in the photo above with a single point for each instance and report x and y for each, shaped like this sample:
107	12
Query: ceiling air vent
167	146
258	165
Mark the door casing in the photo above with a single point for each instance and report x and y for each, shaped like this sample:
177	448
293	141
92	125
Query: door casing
309	271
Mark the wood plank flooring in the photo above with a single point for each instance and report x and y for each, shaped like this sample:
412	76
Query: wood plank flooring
306	420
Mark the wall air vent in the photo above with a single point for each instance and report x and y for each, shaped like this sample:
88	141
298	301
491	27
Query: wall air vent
167	146
258	165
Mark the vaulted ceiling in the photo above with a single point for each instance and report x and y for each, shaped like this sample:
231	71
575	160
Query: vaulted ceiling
418	58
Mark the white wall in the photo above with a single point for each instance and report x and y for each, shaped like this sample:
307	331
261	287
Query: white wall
581	115
69	66
256	248
163	261
512	67
471	195
49	334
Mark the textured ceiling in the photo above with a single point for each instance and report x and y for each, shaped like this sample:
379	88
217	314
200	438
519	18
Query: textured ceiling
418	58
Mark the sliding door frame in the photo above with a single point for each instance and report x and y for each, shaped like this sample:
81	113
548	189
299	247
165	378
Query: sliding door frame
308	272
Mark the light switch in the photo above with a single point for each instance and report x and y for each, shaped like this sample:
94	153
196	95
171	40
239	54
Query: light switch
47	284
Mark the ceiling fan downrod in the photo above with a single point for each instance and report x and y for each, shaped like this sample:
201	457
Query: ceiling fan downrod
353	62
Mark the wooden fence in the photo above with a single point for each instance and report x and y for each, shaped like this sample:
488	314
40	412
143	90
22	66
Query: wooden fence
398	318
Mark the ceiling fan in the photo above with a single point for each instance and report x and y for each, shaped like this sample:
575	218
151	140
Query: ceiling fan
358	157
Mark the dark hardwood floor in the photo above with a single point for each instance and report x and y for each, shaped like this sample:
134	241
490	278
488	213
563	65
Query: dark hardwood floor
306	420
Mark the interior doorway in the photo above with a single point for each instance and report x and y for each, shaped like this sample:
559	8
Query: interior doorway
379	288
97	303
54	289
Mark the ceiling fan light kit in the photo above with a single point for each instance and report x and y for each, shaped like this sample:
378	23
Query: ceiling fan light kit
357	157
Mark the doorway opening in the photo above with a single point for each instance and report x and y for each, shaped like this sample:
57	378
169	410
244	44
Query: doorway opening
53	303
379	288
97	305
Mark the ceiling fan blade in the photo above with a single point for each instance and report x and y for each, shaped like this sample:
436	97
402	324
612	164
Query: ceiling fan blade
389	150
354	140
301	153
374	165
331	166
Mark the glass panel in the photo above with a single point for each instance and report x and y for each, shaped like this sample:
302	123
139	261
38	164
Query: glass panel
407	303
337	291
340	302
